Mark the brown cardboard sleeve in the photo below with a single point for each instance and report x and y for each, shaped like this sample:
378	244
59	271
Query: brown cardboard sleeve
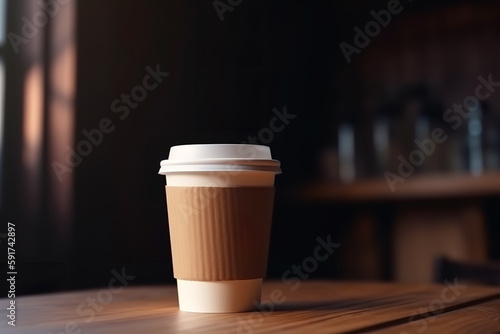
219	233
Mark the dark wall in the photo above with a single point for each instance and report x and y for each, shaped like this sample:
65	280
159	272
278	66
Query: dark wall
225	79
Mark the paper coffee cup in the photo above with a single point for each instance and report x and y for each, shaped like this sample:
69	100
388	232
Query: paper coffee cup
220	201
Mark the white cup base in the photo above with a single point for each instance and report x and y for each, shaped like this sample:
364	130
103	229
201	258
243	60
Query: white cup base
219	296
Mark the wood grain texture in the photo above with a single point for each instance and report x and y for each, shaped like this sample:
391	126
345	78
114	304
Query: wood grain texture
483	318
313	307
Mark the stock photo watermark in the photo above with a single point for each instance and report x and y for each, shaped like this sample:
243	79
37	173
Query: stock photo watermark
264	136
372	29
276	125
293	277
448	295
32	26
222	6
454	117
425	315
11	273
95	304
120	106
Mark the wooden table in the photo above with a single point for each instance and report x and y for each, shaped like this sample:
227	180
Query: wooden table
313	307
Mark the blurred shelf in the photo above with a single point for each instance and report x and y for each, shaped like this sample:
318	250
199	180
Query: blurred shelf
434	186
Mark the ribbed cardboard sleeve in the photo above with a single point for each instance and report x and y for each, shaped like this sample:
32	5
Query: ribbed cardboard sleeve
219	233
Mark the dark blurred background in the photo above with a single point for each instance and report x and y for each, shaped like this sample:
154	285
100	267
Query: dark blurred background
360	99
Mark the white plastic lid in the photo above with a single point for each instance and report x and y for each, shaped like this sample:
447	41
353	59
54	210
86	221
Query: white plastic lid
219	157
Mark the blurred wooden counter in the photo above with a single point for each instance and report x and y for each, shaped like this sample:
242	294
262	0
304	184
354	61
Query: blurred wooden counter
435	216
313	307
418	187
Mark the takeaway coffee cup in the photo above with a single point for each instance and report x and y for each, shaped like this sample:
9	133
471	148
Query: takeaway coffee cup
219	202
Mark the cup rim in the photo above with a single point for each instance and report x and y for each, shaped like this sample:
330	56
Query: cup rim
220	165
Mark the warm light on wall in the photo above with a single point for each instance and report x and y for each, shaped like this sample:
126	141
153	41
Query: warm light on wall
61	118
33	136
33	120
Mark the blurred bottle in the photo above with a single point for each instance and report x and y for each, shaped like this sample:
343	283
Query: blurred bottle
429	120
480	140
386	145
491	138
475	144
347	152
343	161
474	140
403	130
